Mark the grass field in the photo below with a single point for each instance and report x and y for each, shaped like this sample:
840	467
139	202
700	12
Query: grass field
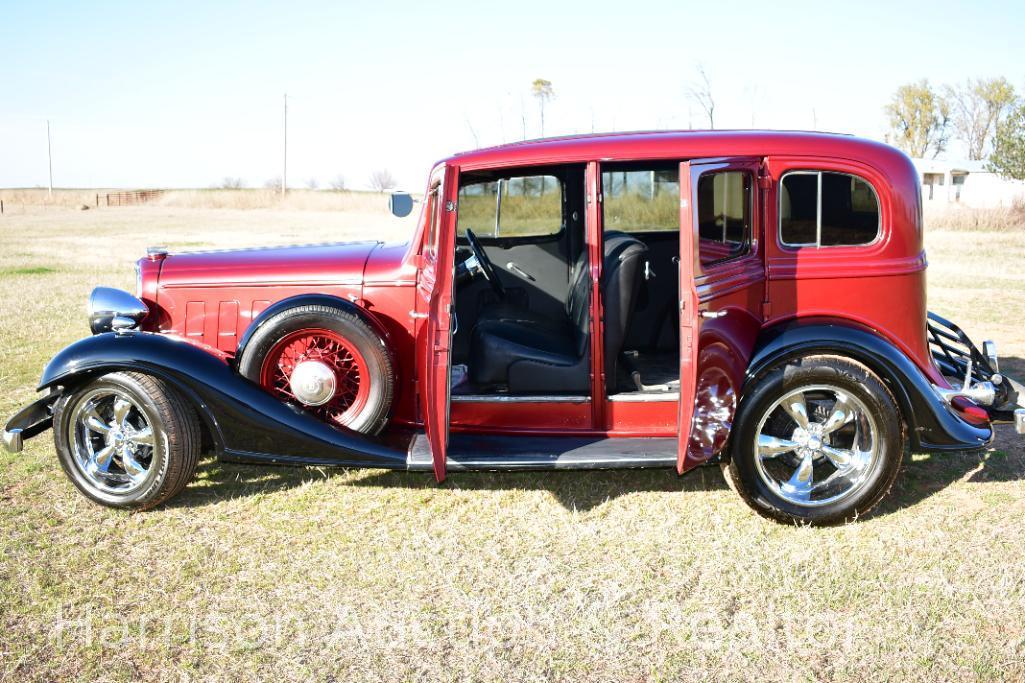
351	575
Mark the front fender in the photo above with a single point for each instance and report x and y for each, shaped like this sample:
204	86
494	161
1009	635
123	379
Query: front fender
246	422
932	425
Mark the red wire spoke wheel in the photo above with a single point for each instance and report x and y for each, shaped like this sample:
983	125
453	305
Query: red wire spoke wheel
330	350
327	359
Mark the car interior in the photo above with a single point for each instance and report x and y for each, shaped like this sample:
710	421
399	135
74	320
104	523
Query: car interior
523	290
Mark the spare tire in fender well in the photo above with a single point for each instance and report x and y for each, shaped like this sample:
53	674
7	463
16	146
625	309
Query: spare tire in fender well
352	367
312	300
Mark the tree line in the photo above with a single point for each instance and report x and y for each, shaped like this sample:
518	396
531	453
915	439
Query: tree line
985	114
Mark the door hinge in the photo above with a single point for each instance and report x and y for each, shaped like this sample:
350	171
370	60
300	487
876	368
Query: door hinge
764	181
450	206
766	310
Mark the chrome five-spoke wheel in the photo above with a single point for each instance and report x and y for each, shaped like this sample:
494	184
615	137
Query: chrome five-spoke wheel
127	439
817	439
112	440
816	445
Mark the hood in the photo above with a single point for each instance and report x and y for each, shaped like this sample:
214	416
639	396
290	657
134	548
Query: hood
340	263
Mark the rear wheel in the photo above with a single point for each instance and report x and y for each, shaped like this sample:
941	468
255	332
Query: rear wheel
819	440
326	360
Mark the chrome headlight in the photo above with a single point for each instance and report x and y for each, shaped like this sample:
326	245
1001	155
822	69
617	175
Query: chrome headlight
114	309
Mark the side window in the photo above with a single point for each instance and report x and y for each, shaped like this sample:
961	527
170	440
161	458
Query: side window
824	209
724	215
641	199
521	206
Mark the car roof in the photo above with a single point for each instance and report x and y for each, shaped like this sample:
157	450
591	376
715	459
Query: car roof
681	144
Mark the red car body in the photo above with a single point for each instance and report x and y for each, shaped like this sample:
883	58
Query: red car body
211	298
738	318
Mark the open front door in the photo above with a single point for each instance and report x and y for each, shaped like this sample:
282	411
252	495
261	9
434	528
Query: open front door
434	304
689	319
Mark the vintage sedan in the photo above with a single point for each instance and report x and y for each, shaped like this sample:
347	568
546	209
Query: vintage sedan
667	299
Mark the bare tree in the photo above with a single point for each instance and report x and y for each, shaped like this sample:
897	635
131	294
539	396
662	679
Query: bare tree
978	107
543	92
700	92
382	180
312	184
919	119
338	182
230	183
273	183
473	132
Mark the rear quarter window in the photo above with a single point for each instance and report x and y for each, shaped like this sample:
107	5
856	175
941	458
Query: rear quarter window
825	209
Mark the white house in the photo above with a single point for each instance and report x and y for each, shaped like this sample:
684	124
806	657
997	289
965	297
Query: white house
966	182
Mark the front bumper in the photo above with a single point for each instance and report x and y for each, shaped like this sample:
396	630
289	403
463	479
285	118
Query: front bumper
30	421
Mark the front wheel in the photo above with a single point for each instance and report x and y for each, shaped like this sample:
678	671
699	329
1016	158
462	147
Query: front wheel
819	440
127	440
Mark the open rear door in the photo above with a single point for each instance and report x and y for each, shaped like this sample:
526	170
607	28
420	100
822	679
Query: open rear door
689	320
719	223
434	293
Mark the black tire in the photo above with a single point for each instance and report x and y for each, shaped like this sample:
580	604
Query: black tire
857	381
381	375
175	430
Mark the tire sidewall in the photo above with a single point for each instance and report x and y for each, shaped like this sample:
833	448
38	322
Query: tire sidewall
374	414
847	375
63	417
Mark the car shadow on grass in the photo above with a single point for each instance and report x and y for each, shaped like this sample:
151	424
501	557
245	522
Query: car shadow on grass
579	490
926	475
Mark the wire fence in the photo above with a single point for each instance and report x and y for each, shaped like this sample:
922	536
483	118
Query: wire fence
131	198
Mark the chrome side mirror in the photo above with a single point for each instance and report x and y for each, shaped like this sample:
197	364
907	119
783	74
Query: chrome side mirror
400	204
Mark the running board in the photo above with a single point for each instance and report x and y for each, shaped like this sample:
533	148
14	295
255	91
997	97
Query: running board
489	452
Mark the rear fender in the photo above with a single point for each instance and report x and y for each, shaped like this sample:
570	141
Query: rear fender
246	422
932	425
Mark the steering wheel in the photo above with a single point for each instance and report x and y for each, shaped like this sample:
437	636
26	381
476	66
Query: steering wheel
480	263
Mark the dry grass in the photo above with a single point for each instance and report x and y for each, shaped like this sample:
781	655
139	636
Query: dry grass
299	574
959	217
36	200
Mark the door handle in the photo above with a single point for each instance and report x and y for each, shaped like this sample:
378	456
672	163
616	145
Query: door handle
713	314
519	271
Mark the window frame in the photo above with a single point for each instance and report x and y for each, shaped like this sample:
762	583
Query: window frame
749	242
513	240
817	245
642	166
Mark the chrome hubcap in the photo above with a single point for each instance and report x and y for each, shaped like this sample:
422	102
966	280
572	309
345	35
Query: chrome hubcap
112	441
816	445
313	383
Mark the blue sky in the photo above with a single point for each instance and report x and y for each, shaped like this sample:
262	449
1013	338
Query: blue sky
183	94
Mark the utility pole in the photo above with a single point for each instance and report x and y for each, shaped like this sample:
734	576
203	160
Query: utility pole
49	158
284	151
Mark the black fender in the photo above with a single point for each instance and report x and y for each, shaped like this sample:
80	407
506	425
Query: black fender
245	421
932	424
313	300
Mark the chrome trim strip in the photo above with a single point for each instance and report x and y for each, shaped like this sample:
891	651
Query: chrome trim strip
499	398
652	397
556	463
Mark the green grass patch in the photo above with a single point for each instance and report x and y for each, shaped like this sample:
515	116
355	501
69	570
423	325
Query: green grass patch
27	270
